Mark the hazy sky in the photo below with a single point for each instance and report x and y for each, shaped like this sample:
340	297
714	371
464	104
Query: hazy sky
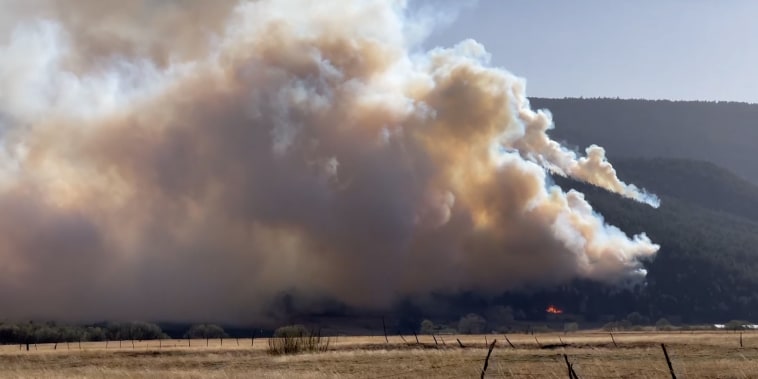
661	49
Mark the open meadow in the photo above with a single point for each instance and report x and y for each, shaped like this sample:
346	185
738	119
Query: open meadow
593	355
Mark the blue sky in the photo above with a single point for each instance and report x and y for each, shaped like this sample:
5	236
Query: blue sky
657	49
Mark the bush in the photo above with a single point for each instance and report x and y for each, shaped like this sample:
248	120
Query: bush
663	324
570	327
472	323
295	339
427	327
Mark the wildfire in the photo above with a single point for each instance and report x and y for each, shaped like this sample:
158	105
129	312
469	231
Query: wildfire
554	310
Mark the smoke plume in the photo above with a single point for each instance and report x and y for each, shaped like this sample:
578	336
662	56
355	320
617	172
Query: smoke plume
193	160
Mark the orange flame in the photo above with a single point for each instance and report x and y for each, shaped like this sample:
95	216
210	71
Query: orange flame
554	310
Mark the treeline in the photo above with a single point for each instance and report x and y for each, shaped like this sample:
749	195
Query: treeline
50	332
704	273
707	227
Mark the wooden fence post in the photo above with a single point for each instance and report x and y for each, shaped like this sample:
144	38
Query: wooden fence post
538	341
740	339
614	340
668	361
435	339
487	360
570	367
509	341
460	343
416	335
384	327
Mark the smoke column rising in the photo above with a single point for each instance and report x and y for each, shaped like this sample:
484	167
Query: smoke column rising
193	160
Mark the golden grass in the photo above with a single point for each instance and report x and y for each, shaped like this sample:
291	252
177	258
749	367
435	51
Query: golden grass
638	355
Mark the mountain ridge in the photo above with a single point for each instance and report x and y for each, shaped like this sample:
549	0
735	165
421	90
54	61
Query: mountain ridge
723	133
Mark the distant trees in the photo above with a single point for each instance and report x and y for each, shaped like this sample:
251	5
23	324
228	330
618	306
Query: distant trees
499	317
570	327
663	324
11	333
736	325
427	327
205	331
134	331
472	323
32	332
44	333
99	334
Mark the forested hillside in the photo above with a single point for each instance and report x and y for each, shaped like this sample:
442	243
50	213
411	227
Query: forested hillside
707	226
705	272
700	158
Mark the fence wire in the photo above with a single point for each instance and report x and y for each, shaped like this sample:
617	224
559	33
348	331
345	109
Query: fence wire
585	362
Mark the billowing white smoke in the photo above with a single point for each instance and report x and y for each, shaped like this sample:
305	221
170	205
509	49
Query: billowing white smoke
162	160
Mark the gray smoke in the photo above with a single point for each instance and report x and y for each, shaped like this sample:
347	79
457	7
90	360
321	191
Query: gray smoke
193	160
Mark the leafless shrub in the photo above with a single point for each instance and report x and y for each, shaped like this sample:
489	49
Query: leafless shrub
296	339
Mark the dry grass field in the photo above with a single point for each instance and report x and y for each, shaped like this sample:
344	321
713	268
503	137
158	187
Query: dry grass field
638	355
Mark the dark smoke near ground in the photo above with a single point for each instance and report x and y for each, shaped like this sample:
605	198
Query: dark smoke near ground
195	160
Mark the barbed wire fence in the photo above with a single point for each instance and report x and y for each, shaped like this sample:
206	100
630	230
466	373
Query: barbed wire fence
498	355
